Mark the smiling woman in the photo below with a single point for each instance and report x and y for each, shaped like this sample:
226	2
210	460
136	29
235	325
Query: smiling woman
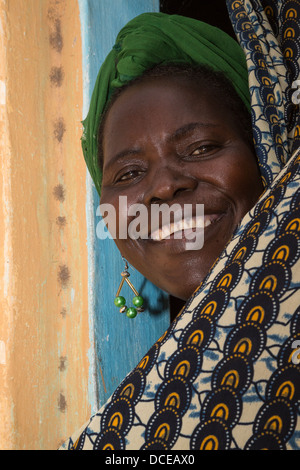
178	143
177	133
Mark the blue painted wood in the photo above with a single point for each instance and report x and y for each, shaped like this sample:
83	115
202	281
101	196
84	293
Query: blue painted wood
117	343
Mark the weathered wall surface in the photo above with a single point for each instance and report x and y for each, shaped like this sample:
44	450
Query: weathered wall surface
44	335
119	343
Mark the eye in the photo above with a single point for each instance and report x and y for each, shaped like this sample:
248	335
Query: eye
129	175
205	149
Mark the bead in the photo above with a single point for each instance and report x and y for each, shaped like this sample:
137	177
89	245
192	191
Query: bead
119	301
140	309
123	309
131	312
138	301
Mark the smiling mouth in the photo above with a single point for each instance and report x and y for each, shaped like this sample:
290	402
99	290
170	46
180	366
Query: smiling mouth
186	225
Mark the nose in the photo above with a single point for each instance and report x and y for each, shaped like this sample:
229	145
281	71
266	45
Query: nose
166	183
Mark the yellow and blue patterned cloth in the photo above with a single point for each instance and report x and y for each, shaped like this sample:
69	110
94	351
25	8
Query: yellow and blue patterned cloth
226	374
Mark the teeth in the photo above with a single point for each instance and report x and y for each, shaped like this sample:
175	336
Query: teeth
181	225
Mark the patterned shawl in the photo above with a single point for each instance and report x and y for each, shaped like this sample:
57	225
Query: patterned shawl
226	374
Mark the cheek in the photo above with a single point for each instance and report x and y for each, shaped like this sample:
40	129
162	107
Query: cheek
242	180
109	210
115	211
250	184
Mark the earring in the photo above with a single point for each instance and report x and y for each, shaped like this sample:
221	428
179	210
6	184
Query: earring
120	301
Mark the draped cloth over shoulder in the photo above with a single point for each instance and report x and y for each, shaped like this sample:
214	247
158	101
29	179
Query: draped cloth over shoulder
157	38
226	374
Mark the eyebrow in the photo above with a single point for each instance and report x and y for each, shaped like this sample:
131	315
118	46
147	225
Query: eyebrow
124	153
188	128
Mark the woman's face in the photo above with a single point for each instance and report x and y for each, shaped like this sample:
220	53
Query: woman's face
168	142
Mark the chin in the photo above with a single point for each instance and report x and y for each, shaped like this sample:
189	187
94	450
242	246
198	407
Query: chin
192	274
184	291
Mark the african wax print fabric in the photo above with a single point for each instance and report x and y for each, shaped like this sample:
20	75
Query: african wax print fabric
226	374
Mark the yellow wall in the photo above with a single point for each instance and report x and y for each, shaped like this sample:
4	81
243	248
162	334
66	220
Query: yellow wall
43	259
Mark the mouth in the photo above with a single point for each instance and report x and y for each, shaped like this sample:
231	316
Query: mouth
184	226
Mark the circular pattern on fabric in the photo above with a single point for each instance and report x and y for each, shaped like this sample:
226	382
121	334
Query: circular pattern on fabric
213	305
234	372
223	404
278	416
285	248
79	444
258	223
185	362
271	11
270	203
265	441
285	383
274	277
118	415
199	333
155	444
110	439
164	426
244	249
262	308
261	73
290	223
132	387
267	94
248	339
175	394
211	435
229	276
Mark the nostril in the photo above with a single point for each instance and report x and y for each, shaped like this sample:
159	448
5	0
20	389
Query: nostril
158	200
155	200
179	190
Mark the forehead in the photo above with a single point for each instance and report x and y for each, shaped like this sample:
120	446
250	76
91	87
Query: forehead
163	93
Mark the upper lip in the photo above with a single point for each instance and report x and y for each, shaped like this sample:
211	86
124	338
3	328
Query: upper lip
164	232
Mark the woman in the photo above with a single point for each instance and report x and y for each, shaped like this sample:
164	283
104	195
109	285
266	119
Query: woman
225	375
179	142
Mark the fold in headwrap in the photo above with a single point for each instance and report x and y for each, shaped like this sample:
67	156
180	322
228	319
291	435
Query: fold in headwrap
157	38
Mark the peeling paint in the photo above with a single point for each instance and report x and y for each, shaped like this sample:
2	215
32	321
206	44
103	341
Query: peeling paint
64	276
63	362
59	192
55	37
44	327
63	313
59	128
62	403
56	76
61	221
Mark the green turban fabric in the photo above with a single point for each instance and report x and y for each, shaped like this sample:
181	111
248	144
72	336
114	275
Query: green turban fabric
157	38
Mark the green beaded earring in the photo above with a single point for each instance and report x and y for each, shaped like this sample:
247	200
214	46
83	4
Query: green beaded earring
120	301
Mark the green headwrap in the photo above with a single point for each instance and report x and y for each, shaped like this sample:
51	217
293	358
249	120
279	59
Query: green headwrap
157	38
